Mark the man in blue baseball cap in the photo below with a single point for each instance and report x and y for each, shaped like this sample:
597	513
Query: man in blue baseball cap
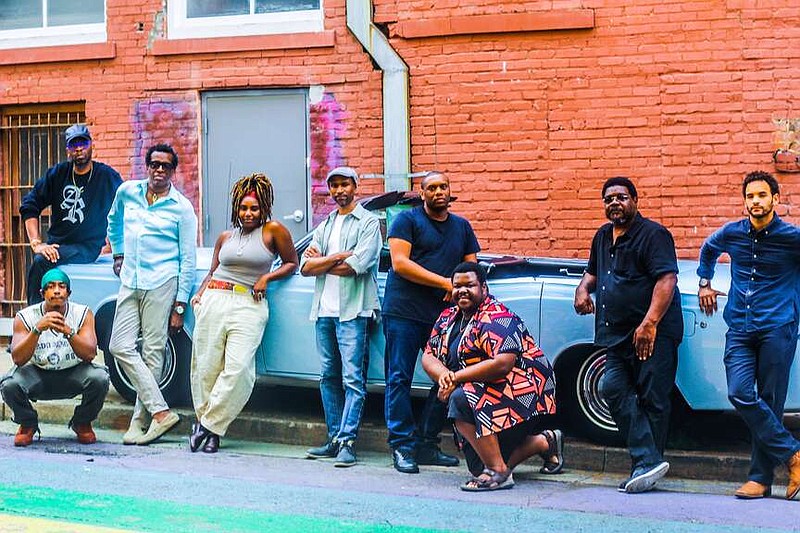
79	193
53	349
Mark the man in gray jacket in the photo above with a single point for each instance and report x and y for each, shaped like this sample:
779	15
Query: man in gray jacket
343	255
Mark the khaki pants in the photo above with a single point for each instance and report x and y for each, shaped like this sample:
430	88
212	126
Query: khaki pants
146	312
227	334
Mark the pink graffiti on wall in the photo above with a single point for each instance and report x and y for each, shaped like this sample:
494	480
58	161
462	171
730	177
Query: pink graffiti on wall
172	121
327	123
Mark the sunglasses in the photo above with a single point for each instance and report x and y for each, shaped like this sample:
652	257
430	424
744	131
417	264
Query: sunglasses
155	165
609	199
83	144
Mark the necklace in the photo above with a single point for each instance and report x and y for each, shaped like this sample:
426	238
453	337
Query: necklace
75	183
243	243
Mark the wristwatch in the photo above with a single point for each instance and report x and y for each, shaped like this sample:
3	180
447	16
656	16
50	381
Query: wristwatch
71	334
704	283
179	309
34	243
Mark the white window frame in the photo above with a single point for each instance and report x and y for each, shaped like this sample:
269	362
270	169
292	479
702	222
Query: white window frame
54	35
179	26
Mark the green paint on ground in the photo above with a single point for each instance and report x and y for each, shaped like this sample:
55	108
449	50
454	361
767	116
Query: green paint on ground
139	514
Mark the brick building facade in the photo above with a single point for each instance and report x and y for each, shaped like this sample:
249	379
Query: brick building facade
528	106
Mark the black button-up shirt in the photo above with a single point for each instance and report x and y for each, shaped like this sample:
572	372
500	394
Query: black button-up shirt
765	273
627	272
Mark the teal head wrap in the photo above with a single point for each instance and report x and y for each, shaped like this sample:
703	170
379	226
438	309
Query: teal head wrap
55	274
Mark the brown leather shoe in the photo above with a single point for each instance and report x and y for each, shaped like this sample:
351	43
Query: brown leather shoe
794	477
24	436
85	433
753	490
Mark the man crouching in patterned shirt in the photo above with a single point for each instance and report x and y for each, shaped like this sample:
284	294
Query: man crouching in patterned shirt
52	348
495	380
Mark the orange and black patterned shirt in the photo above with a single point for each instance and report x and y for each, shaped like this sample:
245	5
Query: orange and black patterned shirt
528	390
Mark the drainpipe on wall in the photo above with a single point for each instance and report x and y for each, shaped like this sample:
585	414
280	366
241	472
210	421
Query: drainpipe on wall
396	129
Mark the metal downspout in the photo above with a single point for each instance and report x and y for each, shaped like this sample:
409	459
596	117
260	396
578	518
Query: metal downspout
396	129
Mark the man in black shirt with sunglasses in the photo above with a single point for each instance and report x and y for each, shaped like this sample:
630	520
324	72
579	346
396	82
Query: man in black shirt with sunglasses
633	272
79	193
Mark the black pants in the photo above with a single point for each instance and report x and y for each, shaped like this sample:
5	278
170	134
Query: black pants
68	253
29	382
638	393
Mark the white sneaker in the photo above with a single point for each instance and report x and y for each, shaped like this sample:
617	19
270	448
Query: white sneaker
158	429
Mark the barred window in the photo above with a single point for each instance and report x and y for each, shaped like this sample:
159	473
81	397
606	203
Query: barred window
31	141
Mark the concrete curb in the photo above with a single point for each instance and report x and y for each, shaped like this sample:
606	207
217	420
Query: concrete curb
308	431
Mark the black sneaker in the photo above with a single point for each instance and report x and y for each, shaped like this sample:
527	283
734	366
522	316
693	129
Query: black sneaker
644	478
346	456
327	450
432	455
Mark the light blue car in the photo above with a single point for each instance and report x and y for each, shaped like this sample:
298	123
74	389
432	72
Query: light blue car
540	290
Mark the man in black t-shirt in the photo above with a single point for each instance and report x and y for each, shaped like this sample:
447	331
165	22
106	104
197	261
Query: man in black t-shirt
79	193
426	244
633	271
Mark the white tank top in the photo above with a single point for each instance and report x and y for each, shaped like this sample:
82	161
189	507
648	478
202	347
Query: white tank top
53	351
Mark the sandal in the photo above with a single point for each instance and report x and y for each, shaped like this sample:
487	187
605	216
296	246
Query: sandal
555	449
494	481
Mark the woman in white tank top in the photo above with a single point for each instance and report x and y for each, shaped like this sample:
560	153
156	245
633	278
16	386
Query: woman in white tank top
231	309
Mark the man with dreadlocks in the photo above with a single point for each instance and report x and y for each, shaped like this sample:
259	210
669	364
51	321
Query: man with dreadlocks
152	229
231	309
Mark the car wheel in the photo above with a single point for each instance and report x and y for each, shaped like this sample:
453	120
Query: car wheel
583	407
173	380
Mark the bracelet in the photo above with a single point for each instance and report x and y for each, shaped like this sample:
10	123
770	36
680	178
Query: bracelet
36	331
34	243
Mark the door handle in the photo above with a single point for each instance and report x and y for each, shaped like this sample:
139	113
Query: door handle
297	216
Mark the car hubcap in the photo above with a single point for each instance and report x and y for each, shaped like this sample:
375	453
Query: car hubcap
591	401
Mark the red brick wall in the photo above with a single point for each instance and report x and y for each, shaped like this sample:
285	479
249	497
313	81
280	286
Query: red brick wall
678	95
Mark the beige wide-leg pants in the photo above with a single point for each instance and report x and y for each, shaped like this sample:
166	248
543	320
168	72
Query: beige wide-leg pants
227	333
146	312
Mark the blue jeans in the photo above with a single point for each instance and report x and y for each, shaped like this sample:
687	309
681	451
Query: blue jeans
342	349
638	394
757	365
404	339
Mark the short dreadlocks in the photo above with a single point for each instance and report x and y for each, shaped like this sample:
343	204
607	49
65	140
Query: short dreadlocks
262	187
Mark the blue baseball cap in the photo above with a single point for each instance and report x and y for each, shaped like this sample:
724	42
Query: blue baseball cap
77	131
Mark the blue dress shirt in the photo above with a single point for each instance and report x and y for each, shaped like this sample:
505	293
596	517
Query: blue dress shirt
158	241
765	273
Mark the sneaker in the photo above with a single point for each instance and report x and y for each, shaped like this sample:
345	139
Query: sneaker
327	450
159	429
346	456
85	433
644	478
24	436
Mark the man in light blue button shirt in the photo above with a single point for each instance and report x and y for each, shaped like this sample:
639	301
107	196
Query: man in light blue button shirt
152	229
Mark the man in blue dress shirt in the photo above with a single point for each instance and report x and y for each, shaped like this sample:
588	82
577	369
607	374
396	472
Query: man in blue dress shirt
152	229
762	318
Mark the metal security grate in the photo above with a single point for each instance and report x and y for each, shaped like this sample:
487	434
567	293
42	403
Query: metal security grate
31	141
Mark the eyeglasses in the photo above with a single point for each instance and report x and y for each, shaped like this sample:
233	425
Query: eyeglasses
155	165
74	144
609	199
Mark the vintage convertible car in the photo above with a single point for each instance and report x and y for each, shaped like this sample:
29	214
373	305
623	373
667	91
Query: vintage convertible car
539	290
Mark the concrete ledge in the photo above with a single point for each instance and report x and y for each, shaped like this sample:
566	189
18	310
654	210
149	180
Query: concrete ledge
284	41
556	19
310	431
53	54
